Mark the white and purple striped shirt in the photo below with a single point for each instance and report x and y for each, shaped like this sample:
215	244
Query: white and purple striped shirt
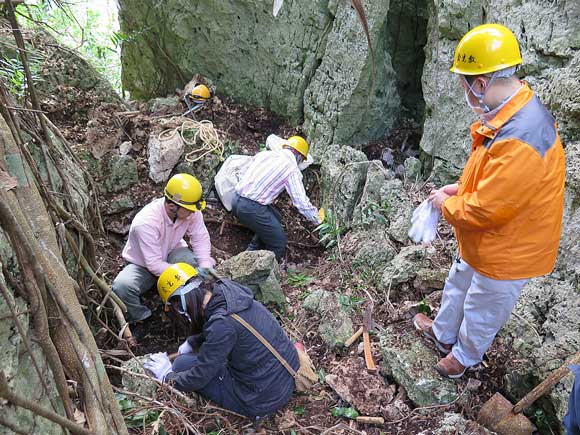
268	174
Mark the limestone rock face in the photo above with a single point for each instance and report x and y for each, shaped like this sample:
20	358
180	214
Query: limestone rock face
411	363
138	384
545	331
257	270
453	423
344	171
335	324
341	105
404	267
18	367
122	173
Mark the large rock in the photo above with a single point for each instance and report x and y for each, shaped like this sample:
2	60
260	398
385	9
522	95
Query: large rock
335	324
122	173
410	363
344	172
164	152
341	104
133	377
544	330
385	205
371	252
257	270
453	424
568	264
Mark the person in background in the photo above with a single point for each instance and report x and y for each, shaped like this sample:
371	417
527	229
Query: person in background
221	359
507	207
156	241
269	174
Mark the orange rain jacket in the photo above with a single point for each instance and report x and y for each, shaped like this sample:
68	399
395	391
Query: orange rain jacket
507	214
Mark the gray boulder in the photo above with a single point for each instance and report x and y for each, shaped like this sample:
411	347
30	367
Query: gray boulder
341	105
453	423
335	323
412	262
384	204
568	264
257	270
164	152
544	330
122	173
343	173
371	252
133	377
407	359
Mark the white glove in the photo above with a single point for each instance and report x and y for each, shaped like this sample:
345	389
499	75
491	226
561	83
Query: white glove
159	365
424	223
185	348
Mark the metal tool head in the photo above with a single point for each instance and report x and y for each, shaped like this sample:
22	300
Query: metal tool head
496	414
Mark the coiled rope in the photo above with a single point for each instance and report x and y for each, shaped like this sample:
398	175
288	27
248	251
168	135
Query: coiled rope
203	130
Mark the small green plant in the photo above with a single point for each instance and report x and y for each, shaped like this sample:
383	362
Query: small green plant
330	231
12	71
231	147
298	279
350	303
135	416
344	412
540	419
262	147
321	375
299	410
424	307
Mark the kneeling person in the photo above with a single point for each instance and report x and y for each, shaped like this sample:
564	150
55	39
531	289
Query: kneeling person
231	366
156	241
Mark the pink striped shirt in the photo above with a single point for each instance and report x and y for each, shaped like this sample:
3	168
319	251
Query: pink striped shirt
269	173
153	236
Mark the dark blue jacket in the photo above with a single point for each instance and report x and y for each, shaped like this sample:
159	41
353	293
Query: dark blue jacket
260	381
572	418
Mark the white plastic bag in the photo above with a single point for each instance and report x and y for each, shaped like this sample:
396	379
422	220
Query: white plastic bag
275	143
424	223
228	176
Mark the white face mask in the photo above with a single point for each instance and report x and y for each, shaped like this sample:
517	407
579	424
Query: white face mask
481	108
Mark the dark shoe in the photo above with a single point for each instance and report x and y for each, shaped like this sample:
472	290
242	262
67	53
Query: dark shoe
449	367
425	325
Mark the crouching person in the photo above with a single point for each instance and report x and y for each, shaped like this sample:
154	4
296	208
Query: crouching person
222	359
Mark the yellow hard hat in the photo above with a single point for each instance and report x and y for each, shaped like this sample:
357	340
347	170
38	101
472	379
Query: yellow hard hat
299	144
200	93
185	191
173	278
485	49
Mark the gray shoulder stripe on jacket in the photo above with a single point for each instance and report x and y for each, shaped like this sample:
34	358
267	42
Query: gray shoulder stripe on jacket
533	124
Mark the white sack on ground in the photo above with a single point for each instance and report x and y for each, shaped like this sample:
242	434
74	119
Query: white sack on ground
228	176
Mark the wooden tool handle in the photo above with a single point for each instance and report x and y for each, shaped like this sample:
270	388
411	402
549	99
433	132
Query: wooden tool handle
354	337
371	367
370	420
545	386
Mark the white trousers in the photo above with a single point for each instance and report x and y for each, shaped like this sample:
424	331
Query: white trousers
473	309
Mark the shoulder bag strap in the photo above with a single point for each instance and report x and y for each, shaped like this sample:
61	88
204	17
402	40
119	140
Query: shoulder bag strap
265	343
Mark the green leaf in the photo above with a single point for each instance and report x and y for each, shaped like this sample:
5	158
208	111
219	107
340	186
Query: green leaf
344	412
299	410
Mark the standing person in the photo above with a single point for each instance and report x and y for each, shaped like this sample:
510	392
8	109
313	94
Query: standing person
269	173
156	241
572	417
506	209
221	359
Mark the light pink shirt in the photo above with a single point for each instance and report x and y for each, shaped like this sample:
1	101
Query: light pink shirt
271	172
153	236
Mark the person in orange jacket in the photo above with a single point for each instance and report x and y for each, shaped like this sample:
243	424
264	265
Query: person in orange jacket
507	207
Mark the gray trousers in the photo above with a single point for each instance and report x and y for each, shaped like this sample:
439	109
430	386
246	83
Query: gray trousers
473	309
265	221
134	281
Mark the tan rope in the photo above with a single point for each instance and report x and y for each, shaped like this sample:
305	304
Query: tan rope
204	131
